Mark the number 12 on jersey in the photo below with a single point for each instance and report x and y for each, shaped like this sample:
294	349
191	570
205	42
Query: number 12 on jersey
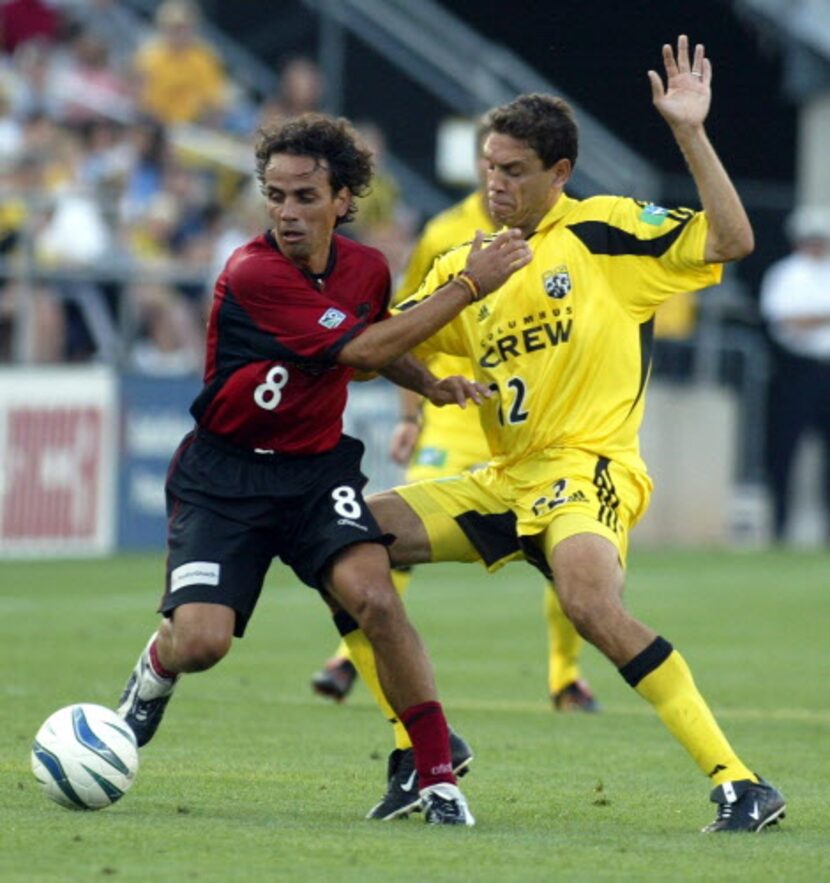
516	412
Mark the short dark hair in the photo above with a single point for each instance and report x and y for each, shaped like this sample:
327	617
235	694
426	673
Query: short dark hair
322	138
545	122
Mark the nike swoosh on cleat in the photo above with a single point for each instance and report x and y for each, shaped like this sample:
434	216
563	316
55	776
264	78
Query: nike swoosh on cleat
409	784
755	813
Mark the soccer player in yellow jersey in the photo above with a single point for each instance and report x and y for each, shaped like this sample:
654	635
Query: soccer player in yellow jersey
565	345
442	442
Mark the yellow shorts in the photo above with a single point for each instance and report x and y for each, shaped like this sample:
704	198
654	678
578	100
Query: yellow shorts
499	514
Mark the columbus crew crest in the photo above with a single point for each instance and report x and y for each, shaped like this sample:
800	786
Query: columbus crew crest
557	282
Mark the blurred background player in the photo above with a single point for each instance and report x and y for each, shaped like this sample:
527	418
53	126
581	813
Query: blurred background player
440	442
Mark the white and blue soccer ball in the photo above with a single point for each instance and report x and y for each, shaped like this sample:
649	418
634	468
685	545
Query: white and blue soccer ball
84	756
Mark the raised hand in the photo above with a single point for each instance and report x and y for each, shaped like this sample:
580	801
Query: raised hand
493	265
687	95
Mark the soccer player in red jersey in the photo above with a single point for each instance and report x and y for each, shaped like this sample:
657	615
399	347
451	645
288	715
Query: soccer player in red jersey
268	472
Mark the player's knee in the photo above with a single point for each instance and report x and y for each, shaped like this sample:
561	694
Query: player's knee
377	609
587	607
583	619
200	651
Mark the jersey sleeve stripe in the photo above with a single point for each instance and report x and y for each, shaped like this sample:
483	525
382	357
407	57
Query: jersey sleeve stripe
605	239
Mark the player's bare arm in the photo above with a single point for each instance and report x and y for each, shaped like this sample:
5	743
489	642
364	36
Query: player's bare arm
487	269
407	430
411	374
684	103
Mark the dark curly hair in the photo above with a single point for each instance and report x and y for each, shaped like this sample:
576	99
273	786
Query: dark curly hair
544	122
325	139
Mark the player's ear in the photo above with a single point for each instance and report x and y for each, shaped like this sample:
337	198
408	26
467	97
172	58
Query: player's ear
561	169
342	200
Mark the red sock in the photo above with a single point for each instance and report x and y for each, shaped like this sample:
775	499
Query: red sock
430	735
157	667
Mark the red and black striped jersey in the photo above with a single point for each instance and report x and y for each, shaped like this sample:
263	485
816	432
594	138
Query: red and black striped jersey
271	381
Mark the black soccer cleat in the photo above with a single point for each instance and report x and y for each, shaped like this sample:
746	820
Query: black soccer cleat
336	679
444	804
576	696
145	698
402	797
746	806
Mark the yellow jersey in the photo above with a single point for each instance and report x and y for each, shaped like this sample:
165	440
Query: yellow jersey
451	438
566	342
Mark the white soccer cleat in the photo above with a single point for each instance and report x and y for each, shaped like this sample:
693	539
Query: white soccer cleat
444	804
145	697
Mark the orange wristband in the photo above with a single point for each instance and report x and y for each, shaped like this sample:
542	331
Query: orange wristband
470	283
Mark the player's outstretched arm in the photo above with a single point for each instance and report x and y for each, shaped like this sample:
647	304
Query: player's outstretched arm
488	267
683	102
411	374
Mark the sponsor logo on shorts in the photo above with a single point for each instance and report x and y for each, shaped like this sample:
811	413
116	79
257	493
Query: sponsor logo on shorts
348	522
195	573
331	318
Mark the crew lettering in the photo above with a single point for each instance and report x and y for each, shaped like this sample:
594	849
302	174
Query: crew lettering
537	337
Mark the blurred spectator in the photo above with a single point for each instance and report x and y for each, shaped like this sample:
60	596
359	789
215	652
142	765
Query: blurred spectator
31	84
795	303
11	132
182	79
383	220
301	89
32	304
110	23
149	158
168	341
89	87
104	158
242	220
24	20
168	315
382	203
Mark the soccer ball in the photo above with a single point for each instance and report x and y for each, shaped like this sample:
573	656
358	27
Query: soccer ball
84	757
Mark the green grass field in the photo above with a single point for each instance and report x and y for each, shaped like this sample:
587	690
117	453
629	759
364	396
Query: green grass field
253	778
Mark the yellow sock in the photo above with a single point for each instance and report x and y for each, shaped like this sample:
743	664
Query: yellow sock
363	658
401	580
564	644
668	685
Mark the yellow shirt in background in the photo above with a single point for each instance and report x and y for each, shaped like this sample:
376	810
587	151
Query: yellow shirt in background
451	438
179	85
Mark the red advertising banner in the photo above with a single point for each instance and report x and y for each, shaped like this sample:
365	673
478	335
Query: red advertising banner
57	466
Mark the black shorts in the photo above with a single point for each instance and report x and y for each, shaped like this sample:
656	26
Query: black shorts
231	512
